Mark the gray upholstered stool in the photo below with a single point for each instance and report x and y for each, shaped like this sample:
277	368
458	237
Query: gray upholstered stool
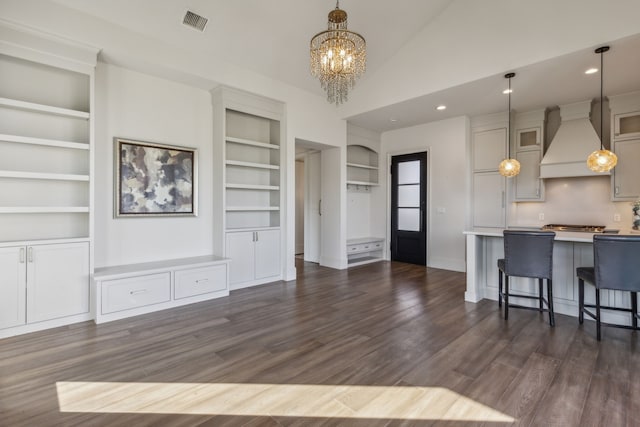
616	267
527	254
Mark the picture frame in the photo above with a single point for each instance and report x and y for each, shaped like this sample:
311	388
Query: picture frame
154	180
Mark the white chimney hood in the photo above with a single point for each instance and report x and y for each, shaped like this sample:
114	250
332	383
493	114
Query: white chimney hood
574	141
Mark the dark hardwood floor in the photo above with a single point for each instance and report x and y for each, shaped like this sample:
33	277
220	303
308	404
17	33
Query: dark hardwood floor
385	344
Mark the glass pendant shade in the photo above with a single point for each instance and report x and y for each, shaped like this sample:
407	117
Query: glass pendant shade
602	160
509	167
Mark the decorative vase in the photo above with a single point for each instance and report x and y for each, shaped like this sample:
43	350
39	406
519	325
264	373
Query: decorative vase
636	216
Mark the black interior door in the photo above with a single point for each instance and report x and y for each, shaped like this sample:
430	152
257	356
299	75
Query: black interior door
408	208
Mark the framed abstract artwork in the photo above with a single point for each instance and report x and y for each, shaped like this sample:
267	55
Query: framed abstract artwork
154	179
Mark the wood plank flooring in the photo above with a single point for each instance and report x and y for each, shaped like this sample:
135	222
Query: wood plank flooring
385	344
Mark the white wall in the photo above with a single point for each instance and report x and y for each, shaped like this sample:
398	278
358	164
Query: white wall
141	107
445	141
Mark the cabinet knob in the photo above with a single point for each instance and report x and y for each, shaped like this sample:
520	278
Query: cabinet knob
617	189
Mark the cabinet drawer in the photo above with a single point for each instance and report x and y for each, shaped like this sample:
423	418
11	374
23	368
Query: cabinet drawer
200	281
132	292
363	247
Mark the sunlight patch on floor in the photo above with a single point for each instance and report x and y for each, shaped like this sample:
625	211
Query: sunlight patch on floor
323	401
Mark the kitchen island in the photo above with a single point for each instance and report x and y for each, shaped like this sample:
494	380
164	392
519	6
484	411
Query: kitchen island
571	250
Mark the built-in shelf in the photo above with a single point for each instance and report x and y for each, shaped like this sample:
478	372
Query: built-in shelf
252	165
252	143
44	209
43	176
41	108
253	187
249	227
252	208
45	142
362	183
358	165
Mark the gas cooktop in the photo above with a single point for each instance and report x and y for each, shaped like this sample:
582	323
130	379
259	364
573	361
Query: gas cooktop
575	228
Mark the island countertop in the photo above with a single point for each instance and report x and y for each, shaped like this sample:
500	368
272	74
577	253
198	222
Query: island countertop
562	236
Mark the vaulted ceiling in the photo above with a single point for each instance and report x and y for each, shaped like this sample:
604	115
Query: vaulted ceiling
420	53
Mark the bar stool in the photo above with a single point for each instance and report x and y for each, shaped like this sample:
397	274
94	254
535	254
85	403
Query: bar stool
616	267
527	254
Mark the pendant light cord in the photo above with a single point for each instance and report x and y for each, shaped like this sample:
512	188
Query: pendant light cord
601	97
509	116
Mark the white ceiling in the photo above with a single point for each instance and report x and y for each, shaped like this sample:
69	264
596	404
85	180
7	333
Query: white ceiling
272	38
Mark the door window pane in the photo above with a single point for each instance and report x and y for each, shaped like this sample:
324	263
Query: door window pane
409	219
409	172
409	196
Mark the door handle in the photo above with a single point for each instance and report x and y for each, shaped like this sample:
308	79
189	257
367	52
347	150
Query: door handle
21	255
30	254
320	207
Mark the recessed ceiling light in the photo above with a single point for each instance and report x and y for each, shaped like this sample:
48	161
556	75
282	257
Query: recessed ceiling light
507	91
591	71
441	107
393	120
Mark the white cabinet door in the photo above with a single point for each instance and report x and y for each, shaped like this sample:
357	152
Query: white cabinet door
267	253
12	286
527	182
489	149
57	280
488	199
626	174
240	249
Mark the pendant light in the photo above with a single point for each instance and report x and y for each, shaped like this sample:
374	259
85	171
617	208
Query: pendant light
509	167
602	160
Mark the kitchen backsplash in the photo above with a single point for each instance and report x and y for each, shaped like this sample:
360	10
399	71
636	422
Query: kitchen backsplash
585	200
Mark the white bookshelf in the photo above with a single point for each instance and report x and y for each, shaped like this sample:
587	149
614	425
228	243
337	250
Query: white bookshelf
46	173
248	142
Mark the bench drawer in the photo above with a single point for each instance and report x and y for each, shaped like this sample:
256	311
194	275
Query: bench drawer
133	292
200	281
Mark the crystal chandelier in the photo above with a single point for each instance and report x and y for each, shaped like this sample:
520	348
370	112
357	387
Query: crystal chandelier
509	167
338	57
602	160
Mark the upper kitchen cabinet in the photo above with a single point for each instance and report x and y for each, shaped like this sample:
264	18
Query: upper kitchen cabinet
488	149
625	142
528	137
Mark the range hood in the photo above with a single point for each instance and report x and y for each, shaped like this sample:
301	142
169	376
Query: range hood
574	141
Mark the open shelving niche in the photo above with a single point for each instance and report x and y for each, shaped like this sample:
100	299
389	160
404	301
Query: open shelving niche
362	174
252	171
46	140
362	167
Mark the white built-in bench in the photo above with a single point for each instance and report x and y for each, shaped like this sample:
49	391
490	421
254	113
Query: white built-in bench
364	250
130	290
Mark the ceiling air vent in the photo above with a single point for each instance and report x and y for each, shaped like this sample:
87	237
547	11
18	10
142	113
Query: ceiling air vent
194	20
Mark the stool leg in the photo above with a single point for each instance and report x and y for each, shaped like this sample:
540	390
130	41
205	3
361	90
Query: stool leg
540	294
581	301
506	296
634	308
598	314
552	319
499	288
